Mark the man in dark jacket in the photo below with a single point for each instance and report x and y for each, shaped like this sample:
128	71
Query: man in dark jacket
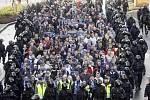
142	48
117	92
147	91
125	6
99	92
50	92
139	14
28	92
130	22
8	94
138	68
145	10
134	31
2	51
1	88
127	87
82	94
9	48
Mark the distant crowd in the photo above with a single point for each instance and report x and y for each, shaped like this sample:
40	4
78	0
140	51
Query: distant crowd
73	51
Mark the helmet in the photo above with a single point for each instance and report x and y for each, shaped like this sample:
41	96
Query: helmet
141	41
127	63
140	36
138	57
1	40
11	42
134	43
122	60
35	97
127	48
118	83
122	55
124	76
98	81
127	69
11	79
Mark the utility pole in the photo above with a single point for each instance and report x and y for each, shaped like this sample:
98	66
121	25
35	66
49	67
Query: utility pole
104	7
149	4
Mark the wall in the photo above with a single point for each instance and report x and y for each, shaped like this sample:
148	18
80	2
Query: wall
141	2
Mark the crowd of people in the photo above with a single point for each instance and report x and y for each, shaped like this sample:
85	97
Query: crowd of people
66	51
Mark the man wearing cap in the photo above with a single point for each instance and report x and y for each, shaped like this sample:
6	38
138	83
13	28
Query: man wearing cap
147	90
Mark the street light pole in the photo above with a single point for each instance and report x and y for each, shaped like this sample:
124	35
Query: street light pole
104	7
149	4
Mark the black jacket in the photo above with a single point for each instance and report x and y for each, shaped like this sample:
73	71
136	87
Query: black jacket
50	93
118	93
147	91
82	94
2	49
99	92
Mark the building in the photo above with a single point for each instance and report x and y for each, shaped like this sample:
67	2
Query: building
134	4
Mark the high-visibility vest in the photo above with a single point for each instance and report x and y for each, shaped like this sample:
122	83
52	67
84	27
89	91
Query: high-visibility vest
41	89
60	83
108	87
87	88
70	84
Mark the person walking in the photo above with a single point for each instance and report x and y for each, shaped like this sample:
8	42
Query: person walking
2	51
147	91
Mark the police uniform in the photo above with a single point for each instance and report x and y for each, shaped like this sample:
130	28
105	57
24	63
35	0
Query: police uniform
147	91
40	89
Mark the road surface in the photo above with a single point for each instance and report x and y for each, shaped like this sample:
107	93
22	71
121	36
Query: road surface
6	35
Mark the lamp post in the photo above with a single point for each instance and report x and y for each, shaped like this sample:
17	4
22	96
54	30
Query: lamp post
104	7
149	4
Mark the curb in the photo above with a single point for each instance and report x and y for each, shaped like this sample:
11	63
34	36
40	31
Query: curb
11	23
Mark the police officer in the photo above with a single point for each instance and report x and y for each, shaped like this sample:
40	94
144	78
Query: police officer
127	87
145	10
9	48
82	94
28	92
108	88
50	92
138	68
147	90
142	48
99	93
139	14
117	92
63	86
134	31
40	88
145	19
130	22
125	6
130	76
8	93
2	51
134	48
